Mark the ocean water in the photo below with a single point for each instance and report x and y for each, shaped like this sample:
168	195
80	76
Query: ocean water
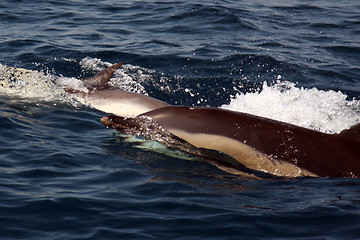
63	175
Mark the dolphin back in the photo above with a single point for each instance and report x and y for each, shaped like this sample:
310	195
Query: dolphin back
353	132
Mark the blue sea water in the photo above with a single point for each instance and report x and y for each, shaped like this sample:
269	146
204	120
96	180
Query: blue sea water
65	176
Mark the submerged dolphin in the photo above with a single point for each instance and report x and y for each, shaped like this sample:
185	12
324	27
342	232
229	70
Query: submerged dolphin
94	91
102	96
257	143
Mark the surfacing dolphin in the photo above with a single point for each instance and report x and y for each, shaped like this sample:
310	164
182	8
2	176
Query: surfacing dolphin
257	143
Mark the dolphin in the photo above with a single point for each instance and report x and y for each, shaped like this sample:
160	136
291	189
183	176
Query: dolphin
93	91
100	95
257	143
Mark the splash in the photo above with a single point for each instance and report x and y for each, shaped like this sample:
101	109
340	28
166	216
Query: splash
28	84
325	111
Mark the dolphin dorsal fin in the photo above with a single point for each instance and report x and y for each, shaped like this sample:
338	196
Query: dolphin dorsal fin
352	132
101	79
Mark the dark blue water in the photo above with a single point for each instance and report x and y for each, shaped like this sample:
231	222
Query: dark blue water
65	176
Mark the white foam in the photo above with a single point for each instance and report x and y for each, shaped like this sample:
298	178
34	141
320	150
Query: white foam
72	83
28	84
326	111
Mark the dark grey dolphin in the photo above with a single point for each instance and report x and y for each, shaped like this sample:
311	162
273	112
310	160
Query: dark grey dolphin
257	143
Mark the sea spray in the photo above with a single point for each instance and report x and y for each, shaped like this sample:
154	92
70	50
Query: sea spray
326	111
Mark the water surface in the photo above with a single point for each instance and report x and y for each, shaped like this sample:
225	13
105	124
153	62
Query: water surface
65	176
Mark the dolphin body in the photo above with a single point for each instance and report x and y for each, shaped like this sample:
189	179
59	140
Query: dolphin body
257	143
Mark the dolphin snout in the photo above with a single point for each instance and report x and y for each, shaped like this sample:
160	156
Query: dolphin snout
106	121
